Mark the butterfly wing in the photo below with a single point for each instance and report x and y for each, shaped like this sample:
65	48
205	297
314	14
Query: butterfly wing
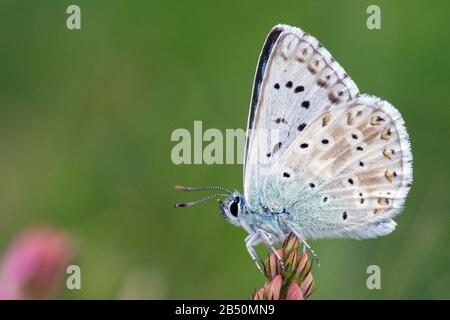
339	163
296	79
348	174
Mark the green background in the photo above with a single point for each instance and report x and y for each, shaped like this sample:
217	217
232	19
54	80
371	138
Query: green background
86	118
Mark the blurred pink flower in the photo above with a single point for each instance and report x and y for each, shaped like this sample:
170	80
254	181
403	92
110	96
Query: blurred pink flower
34	265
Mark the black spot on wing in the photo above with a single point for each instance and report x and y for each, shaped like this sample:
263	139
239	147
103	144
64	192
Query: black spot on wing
280	120
301	127
299	89
305	104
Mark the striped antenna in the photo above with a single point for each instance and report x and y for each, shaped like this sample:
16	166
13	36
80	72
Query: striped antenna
190	204
189	189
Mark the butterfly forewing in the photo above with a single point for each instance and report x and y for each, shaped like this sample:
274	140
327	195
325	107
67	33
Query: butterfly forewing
296	79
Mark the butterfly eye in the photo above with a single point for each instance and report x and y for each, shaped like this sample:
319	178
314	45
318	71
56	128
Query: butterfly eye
234	207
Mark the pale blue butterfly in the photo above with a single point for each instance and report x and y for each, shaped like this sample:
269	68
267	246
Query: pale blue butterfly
321	159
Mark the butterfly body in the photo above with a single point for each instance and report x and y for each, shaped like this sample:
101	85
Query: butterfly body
252	220
322	160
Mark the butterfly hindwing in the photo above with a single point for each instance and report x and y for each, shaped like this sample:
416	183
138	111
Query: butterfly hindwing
348	175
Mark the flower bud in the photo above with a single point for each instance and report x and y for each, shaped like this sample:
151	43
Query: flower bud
294	281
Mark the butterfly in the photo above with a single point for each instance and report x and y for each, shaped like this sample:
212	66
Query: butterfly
322	160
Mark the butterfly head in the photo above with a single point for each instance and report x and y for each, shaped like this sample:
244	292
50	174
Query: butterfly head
231	207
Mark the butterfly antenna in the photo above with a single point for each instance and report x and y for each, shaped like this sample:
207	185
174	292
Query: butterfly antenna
190	204
189	189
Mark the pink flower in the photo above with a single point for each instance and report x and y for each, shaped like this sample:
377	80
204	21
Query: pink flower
294	281
294	292
270	291
34	265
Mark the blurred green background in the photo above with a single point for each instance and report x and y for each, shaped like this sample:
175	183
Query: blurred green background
86	118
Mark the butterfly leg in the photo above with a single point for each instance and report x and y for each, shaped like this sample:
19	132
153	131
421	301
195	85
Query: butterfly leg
306	245
302	239
250	241
266	238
